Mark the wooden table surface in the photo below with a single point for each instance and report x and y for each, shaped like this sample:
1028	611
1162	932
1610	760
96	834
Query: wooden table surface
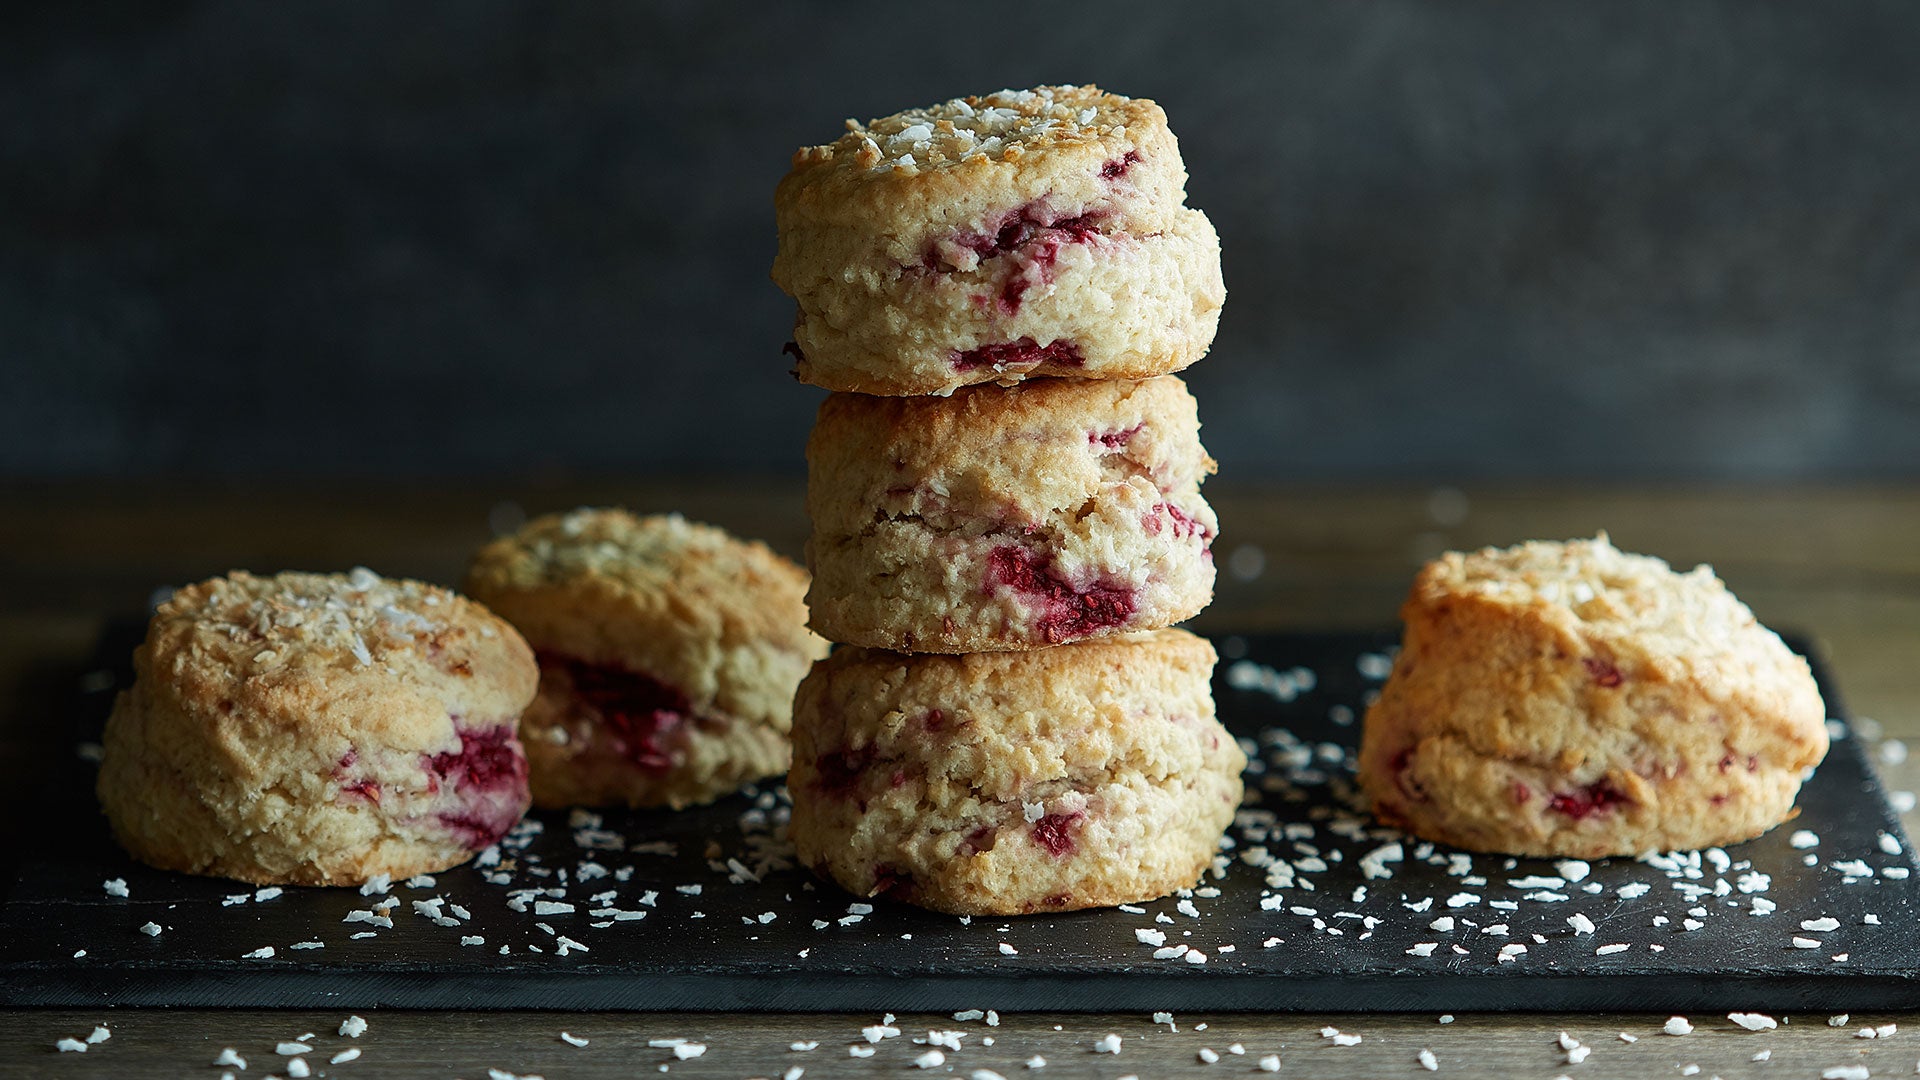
1842	565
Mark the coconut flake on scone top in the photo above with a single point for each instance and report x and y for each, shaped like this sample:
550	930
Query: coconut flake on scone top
1077	146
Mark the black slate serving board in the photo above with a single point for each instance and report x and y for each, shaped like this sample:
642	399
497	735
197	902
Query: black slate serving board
743	944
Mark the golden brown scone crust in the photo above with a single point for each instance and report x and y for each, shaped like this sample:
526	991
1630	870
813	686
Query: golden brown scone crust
989	239
1002	783
720	621
1571	699
1007	518
317	729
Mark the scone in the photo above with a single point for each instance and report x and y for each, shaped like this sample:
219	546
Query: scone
989	239
1008	517
668	652
1002	783
1572	699
318	729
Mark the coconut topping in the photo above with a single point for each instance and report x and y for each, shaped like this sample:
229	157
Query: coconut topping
359	614
1001	126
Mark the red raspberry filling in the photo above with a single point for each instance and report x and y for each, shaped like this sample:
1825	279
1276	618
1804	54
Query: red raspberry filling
890	882
1016	229
1603	672
1024	354
1583	803
647	718
365	789
1030	232
489	771
1184	525
1114	170
1114	440
1055	832
839	773
1068	613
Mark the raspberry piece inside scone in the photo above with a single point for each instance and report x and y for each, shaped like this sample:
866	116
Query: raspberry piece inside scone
1024	354
1055	832
1069	613
645	719
486	780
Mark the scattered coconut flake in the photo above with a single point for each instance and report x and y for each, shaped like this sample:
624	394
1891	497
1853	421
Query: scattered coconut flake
344	1056
353	1027
689	1050
1609	950
930	1060
115	887
151	929
1428	1061
1754	1021
71	1046
1108	1044
1270	1063
1678	1025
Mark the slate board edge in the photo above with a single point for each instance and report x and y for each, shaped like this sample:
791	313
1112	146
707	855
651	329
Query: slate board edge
1533	992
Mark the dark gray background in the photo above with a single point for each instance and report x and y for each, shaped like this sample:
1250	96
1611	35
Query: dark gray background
1601	240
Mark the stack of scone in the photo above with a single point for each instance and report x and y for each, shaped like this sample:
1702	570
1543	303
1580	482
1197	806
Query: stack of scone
1005	495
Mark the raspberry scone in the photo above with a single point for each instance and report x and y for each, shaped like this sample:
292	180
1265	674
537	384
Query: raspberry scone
1572	699
1003	783
669	652
318	729
989	239
1008	517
